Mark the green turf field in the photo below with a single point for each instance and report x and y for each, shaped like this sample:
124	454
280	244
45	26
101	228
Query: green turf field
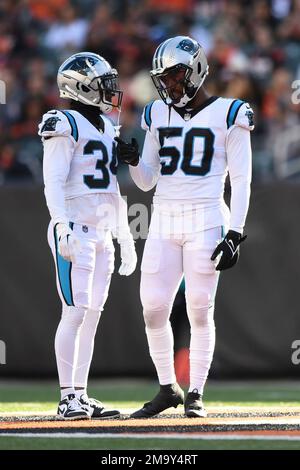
24	443
43	396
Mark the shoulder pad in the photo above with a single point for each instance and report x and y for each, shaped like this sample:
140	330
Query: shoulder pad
147	116
58	123
240	114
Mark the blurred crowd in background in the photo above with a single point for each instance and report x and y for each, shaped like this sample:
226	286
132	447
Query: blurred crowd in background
253	49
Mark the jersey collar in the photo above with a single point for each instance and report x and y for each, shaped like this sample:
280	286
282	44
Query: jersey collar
192	112
91	113
96	121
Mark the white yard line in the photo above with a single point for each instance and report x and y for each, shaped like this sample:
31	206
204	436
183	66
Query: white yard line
211	409
26	413
180	436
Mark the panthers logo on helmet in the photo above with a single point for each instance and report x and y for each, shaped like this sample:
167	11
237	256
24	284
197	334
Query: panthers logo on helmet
80	65
188	46
50	124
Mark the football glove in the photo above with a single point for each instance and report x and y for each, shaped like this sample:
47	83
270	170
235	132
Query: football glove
128	256
229	250
69	245
128	153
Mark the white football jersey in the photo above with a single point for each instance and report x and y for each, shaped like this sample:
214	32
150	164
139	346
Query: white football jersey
93	164
192	146
188	153
79	169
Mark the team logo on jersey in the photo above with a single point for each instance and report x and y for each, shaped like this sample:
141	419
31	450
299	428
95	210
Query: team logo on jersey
50	124
249	113
188	46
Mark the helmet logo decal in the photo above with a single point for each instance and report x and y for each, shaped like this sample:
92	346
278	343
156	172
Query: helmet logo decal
80	65
189	46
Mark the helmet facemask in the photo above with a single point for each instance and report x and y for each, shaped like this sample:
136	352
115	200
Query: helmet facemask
178	61
168	84
110	96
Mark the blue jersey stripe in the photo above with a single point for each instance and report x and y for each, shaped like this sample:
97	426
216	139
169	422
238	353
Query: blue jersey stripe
72	123
64	269
148	118
232	113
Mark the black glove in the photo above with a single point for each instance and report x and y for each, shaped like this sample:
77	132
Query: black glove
128	153
230	250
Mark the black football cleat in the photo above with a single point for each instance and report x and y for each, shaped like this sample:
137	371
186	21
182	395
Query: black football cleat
97	409
193	406
168	396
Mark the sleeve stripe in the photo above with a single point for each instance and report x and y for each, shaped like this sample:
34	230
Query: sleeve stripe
72	123
233	111
148	118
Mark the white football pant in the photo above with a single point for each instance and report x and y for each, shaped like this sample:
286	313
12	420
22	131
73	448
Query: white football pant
83	288
165	261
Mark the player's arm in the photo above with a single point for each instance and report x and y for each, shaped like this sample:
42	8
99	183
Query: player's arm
125	239
144	171
239	159
59	144
58	152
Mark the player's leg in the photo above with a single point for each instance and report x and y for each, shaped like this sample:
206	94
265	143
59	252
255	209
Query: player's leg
103	269
74	282
201	280
160	278
104	266
86	348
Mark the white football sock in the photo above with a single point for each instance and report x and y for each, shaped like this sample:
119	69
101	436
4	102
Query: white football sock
80	392
161	347
66	344
201	348
66	391
86	347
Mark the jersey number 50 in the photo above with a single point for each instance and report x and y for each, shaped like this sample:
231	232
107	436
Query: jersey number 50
188	150
102	164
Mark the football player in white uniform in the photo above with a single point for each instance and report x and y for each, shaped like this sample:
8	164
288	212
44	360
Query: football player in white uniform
192	141
86	209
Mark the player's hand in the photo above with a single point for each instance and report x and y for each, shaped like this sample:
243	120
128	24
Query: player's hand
128	152
69	245
128	256
228	250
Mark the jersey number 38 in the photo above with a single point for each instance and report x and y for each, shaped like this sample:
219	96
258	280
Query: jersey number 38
102	164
